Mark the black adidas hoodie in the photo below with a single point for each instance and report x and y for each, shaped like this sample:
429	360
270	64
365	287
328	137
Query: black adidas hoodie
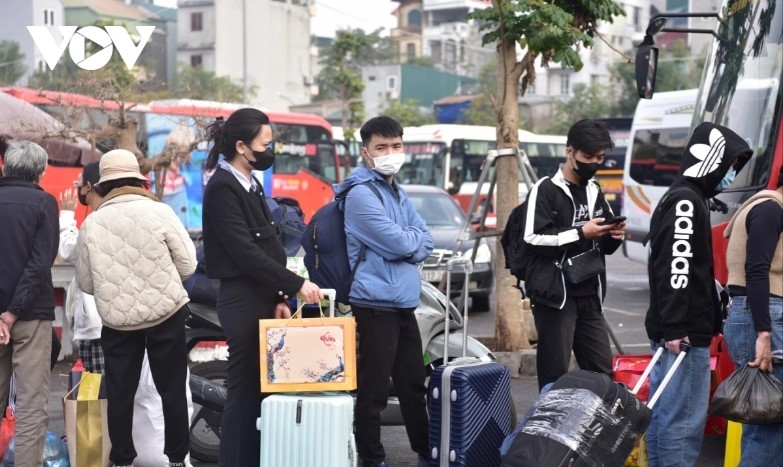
683	300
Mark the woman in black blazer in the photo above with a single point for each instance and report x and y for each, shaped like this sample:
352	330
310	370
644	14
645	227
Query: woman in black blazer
242	250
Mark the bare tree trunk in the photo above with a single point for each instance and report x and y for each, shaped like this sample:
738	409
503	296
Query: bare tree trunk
346	111
510	331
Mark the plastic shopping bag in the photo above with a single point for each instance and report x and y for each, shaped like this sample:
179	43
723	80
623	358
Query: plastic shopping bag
148	424
749	396
55	452
7	429
8	425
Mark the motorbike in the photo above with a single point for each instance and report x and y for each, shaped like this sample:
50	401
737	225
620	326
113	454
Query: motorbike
208	380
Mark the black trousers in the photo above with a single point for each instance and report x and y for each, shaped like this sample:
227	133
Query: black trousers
389	346
580	327
168	357
240	306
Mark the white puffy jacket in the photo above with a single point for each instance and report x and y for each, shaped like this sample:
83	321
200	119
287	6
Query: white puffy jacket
79	307
134	254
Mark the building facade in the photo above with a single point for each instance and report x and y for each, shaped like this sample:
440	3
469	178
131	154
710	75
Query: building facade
274	57
155	55
386	83
16	15
441	31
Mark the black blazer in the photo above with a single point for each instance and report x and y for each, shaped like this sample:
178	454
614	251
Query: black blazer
240	238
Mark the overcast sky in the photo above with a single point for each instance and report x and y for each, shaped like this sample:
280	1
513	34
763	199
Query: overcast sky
332	15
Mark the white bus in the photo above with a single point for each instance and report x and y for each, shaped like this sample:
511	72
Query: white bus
450	156
659	135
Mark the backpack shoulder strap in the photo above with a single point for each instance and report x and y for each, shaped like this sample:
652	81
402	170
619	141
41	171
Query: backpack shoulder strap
369	184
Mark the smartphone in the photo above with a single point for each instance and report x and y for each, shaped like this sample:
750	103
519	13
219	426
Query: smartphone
615	220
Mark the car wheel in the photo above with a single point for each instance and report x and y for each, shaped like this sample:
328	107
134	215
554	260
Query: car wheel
205	426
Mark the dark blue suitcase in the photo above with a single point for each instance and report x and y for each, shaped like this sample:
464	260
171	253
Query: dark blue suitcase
470	406
470	413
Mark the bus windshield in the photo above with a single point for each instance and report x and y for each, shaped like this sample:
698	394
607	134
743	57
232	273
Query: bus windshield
423	164
304	147
741	83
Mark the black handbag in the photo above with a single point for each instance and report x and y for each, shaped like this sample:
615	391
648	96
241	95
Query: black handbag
585	265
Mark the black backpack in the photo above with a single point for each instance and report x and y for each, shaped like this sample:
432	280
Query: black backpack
513	242
326	253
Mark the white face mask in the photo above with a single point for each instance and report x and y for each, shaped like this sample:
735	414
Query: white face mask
389	165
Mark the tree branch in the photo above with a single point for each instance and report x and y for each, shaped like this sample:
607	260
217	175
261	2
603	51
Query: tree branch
622	54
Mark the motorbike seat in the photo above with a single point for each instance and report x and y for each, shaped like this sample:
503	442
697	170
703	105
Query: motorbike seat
204	316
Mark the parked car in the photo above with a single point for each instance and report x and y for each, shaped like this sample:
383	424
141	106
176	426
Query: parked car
445	219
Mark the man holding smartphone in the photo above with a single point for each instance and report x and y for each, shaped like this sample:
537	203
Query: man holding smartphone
569	227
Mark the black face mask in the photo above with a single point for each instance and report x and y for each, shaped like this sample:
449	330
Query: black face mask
264	159
585	170
82	197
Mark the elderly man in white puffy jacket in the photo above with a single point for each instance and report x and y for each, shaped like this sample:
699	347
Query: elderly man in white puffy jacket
134	254
81	311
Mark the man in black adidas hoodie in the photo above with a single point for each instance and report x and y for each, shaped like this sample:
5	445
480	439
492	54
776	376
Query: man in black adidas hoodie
684	305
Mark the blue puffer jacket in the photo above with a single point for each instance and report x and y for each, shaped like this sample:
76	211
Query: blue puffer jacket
396	237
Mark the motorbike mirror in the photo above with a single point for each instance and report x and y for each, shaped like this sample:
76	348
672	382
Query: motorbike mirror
646	67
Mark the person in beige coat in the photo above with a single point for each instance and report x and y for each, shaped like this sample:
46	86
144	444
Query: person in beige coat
134	254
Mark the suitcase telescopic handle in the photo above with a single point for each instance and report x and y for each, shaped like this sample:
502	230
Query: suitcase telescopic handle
460	263
685	347
465	265
331	295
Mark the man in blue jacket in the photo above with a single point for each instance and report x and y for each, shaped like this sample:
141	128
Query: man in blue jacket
28	246
385	290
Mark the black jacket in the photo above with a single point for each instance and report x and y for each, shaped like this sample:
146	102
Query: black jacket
29	237
240	239
550	234
683	298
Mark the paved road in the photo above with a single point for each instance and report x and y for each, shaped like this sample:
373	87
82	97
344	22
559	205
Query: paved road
626	304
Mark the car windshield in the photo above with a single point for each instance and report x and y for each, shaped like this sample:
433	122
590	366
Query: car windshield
437	209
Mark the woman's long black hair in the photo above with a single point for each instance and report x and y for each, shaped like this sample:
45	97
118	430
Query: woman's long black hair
242	125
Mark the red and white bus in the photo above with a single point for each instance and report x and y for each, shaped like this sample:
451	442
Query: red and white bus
305	168
740	89
306	162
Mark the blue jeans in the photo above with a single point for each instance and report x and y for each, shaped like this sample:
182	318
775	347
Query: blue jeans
677	427
761	444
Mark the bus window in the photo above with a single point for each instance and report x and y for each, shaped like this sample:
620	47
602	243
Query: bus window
467	157
295	151
656	155
423	164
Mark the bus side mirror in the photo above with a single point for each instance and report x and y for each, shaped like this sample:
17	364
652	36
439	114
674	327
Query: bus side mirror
646	66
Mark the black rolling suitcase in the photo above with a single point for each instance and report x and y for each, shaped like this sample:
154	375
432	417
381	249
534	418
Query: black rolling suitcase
585	419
